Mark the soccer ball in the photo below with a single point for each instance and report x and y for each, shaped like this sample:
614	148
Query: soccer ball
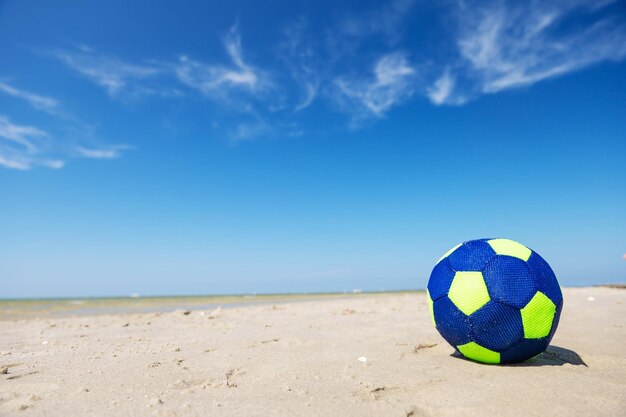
494	300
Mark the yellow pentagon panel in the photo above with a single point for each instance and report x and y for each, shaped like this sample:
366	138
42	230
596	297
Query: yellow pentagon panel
478	353
430	308
510	248
445	255
468	291
537	316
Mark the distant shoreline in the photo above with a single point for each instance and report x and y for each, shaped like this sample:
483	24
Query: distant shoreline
163	296
26	308
64	307
616	285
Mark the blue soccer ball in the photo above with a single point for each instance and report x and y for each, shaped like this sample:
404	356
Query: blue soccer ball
495	300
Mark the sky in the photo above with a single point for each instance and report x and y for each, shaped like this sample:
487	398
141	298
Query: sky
300	146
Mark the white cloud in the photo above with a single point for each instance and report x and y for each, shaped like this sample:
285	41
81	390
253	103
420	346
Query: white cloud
12	161
311	89
25	136
151	78
39	102
111	73
517	44
53	163
299	51
392	83
249	131
101	153
442	88
21	146
442	91
216	80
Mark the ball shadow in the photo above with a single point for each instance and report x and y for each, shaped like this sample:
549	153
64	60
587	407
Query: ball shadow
552	356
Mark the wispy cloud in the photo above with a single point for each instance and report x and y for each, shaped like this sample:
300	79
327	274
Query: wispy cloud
239	87
392	82
40	102
301	55
24	136
22	146
10	161
218	80
122	78
107	71
441	90
247	131
111	152
508	45
332	66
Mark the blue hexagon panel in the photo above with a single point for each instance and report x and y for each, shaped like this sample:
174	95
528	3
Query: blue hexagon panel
471	256
496	326
509	281
440	280
544	278
451	322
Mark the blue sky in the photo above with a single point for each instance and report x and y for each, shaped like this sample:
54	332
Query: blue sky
210	147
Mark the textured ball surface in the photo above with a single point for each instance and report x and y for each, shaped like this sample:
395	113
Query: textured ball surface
495	300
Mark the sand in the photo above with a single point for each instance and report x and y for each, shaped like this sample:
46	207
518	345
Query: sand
355	356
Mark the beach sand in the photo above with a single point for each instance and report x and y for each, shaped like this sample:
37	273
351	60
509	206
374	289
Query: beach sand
367	355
